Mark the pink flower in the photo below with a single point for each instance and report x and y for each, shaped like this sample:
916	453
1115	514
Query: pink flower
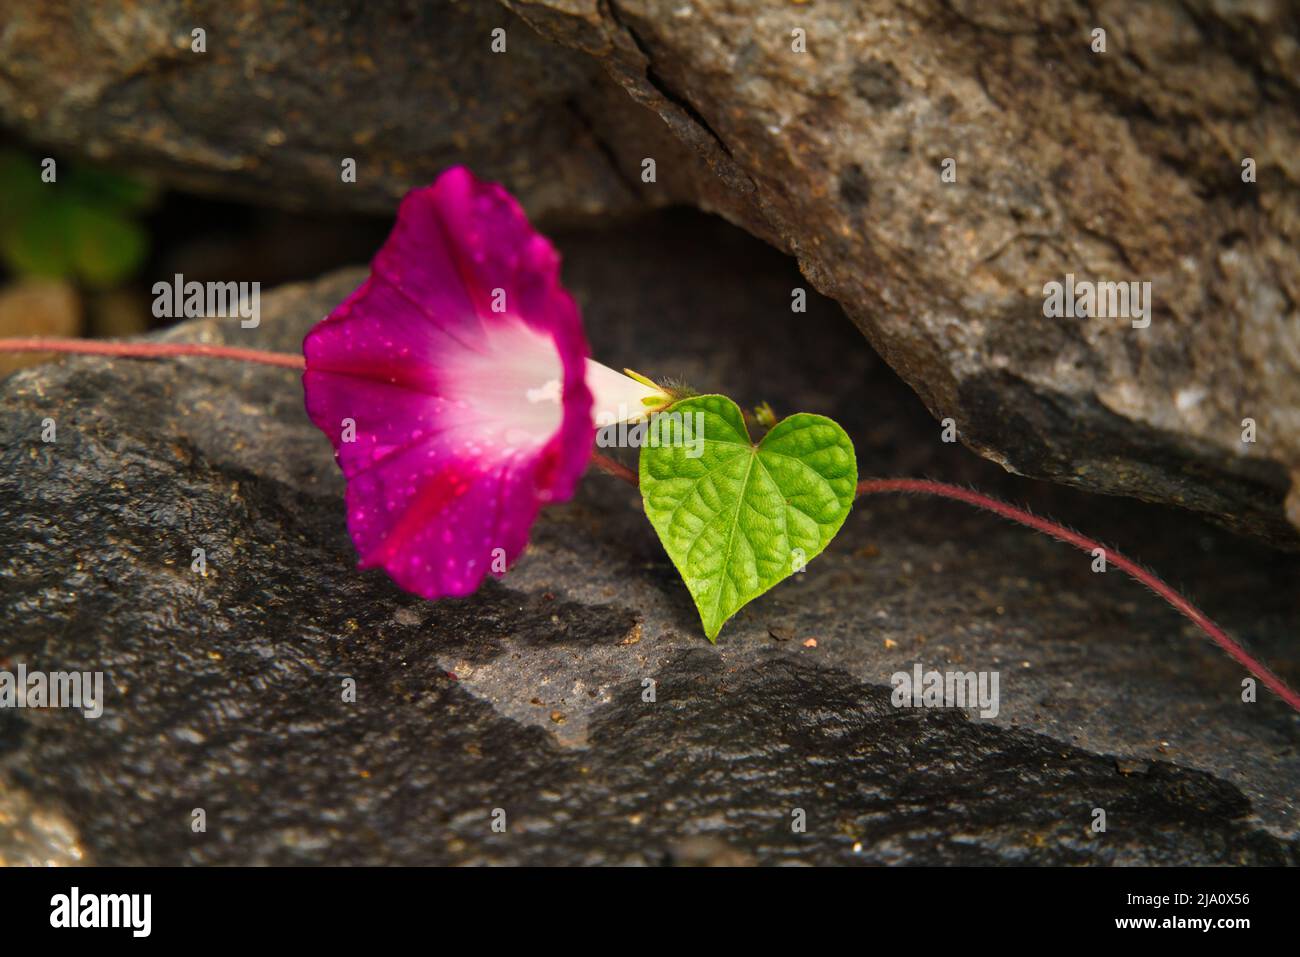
456	389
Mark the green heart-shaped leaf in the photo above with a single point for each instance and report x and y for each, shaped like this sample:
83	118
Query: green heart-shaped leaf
736	518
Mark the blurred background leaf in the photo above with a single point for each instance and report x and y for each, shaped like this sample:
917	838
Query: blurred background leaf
80	227
33	244
105	247
79	256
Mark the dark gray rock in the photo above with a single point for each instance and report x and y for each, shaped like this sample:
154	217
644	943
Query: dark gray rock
225	690
1117	166
285	92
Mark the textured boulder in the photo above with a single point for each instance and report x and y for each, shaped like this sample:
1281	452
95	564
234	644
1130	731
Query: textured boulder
823	128
284	93
1117	166
225	689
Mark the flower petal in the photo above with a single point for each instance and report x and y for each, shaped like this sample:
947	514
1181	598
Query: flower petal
452	385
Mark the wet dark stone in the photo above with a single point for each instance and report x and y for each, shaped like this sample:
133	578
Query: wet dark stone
225	692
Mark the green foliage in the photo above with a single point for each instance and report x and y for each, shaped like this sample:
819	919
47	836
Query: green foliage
739	518
81	226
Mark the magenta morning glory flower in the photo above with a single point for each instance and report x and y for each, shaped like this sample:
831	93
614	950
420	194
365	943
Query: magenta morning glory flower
456	387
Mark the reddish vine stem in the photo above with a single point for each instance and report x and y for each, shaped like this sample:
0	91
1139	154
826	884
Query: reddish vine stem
151	350
162	350
616	469
1086	544
1060	533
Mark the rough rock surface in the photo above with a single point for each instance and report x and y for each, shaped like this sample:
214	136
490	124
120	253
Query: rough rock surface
1119	166
225	689
285	92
